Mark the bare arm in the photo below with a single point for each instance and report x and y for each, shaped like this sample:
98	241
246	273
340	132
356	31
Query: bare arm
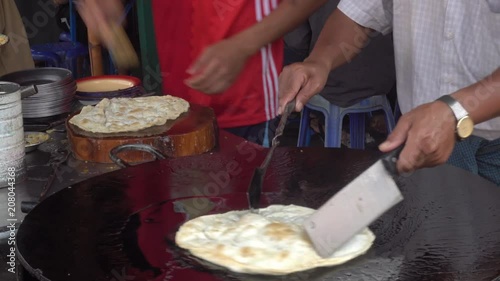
429	130
288	15
340	41
482	99
220	64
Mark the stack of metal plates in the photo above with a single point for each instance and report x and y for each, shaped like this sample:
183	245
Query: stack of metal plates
56	91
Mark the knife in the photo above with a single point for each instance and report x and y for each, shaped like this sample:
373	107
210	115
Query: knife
355	207
255	188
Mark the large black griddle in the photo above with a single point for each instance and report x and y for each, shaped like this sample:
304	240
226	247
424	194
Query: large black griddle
121	226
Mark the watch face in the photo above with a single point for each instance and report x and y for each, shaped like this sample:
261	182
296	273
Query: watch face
465	127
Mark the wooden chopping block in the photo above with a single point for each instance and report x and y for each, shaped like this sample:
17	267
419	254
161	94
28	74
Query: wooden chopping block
193	133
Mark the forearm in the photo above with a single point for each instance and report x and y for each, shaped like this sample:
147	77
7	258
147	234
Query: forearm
482	99
340	41
288	15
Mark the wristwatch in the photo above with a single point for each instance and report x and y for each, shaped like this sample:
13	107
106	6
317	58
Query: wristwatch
465	125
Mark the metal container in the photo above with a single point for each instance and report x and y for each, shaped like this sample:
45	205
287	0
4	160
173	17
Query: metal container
12	165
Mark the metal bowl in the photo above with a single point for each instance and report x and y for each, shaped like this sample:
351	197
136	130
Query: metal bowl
34	139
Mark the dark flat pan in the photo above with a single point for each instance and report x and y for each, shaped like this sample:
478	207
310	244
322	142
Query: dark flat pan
122	223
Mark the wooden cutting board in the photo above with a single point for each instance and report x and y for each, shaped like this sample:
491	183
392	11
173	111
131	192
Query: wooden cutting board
194	132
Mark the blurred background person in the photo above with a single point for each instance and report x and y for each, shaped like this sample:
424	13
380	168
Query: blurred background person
15	53
224	54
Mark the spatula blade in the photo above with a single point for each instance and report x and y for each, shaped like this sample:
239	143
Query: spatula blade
352	209
255	189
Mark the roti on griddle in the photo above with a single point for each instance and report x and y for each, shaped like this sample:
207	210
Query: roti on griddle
120	115
271	241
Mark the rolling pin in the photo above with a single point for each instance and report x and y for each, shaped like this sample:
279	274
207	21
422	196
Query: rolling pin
110	32
121	48
95	54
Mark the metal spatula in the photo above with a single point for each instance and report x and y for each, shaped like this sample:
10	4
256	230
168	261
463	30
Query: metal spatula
255	188
355	207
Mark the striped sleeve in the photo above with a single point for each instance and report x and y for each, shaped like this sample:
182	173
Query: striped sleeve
374	14
263	8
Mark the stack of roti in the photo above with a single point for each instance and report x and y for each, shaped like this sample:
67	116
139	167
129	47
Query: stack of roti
120	115
271	241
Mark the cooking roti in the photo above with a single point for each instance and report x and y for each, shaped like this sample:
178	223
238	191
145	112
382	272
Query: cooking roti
120	115
271	242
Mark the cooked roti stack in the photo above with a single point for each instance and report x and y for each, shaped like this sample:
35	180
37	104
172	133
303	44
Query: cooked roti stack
271	242
120	115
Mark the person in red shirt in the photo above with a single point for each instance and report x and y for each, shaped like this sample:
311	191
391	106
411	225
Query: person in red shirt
225	54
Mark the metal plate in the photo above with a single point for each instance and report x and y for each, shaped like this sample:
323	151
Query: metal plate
43	77
56	91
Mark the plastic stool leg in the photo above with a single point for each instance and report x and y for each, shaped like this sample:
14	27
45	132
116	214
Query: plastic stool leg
389	120
72	21
333	127
304	133
50	59
397	112
310	133
357	130
389	116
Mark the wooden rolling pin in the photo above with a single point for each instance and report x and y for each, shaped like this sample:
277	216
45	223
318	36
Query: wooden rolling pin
119	45
95	54
121	48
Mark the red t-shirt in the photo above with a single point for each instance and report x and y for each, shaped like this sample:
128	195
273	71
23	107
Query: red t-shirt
185	27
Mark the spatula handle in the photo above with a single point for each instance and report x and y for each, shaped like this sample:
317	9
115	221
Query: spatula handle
390	160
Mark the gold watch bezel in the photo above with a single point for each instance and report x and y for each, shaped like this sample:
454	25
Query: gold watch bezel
465	127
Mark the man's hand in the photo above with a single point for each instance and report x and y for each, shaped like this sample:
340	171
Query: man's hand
218	66
98	15
301	81
429	132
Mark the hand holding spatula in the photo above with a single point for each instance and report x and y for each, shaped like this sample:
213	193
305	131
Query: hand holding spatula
103	19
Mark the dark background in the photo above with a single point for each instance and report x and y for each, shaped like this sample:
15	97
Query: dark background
44	22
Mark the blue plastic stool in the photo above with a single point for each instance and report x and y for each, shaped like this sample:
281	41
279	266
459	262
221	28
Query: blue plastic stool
50	59
397	112
334	116
68	53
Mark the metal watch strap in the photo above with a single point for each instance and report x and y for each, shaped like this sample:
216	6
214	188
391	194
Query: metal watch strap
458	110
